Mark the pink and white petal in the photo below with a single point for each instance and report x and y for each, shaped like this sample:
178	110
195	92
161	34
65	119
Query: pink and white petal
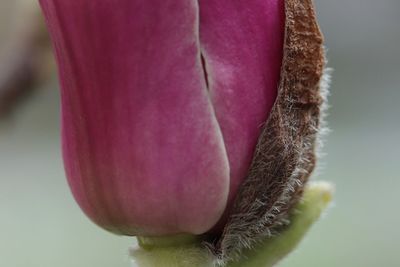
242	44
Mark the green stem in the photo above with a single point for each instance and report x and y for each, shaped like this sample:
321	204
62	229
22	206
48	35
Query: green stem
186	251
167	241
176	251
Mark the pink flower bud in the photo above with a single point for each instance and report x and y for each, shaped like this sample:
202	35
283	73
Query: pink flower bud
166	111
162	105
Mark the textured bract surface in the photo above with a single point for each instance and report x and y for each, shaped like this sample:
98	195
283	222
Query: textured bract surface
285	155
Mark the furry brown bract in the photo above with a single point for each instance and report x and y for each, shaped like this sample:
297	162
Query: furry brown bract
286	152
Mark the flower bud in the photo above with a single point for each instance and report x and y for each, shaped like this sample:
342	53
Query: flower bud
171	117
162	103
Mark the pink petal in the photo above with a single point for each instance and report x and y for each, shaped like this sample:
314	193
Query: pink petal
142	148
242	44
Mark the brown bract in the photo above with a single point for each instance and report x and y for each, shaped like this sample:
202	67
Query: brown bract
286	152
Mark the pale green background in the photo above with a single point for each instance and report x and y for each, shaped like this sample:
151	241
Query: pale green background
41	226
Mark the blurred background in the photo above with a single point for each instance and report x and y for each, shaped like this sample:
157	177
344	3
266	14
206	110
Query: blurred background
41	226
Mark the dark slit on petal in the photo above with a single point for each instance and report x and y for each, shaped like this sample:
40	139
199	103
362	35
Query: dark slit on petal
203	63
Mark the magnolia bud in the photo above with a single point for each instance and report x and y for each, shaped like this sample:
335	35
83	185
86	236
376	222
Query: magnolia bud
186	116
